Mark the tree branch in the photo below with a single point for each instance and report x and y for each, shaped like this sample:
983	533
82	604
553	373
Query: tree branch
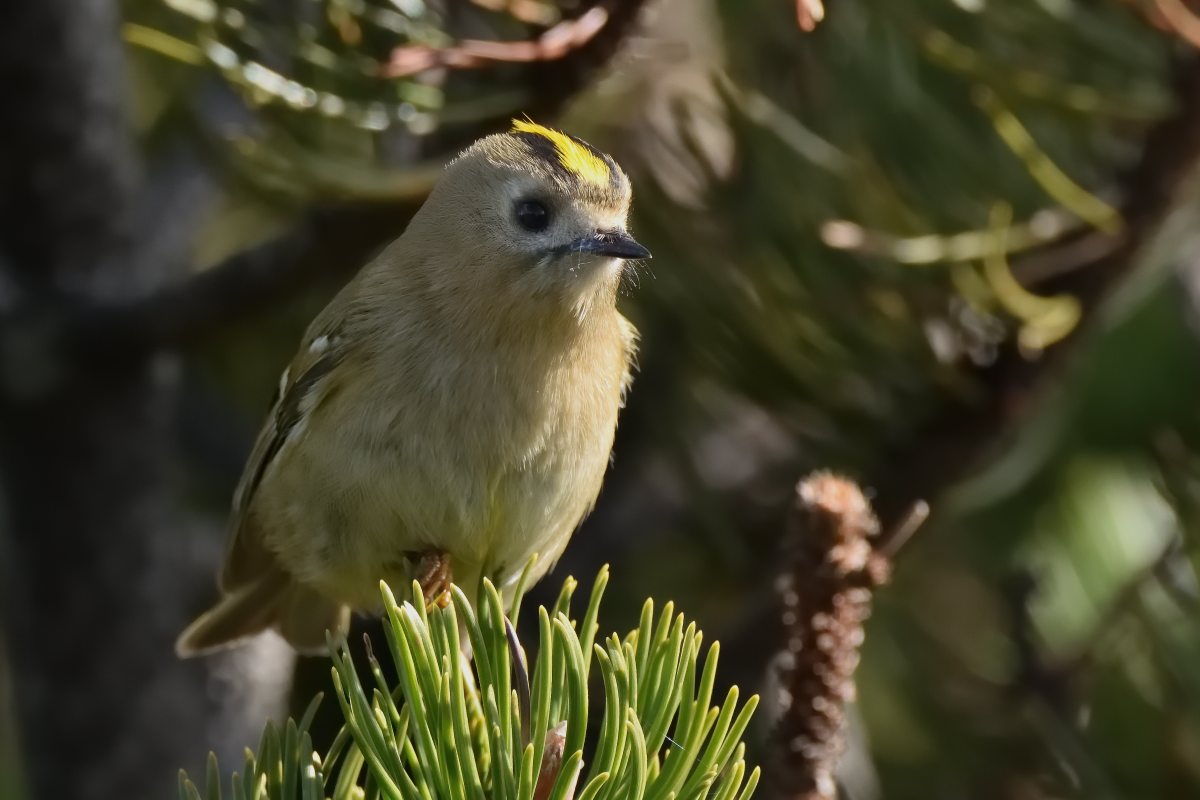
328	243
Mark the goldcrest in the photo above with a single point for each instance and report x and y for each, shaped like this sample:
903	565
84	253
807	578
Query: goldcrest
452	410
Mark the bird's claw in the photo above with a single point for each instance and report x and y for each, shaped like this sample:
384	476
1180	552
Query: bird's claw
433	573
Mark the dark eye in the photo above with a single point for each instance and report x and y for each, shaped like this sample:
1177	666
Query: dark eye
532	215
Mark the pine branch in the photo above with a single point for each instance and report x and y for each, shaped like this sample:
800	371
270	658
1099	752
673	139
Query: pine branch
456	729
960	435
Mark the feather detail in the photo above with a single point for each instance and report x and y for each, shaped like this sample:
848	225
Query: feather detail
576	156
310	374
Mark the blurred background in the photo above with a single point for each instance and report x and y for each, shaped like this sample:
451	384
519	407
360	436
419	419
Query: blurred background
949	248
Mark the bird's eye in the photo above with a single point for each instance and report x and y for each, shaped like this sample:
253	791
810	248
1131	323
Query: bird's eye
532	215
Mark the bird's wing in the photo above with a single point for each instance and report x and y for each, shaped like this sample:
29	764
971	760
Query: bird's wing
305	384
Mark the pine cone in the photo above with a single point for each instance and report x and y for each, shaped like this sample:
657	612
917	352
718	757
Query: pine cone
826	594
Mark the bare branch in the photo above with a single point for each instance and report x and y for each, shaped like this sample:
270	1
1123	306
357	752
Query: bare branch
558	42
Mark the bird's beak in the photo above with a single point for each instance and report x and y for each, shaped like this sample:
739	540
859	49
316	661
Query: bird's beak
614	243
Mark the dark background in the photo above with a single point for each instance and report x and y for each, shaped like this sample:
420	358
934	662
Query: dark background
946	248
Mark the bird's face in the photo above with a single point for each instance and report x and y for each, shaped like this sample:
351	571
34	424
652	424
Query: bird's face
545	216
561	241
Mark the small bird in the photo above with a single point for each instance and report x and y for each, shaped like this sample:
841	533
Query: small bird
451	412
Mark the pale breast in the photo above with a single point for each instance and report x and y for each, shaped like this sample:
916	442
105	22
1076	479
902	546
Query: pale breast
490	466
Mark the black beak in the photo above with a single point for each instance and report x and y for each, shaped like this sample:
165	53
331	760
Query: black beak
614	243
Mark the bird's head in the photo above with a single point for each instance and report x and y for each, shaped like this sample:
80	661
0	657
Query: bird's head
536	215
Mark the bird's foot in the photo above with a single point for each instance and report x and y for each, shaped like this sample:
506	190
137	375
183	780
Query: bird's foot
433	573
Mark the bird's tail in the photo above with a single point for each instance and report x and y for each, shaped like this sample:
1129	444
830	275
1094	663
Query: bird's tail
299	614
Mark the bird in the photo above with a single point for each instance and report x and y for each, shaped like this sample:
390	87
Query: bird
450	414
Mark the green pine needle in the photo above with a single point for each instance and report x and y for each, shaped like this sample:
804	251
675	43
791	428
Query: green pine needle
500	726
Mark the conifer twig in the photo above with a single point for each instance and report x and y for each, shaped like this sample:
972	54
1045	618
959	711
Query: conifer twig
835	558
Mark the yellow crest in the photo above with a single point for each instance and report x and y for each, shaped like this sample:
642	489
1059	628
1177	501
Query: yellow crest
575	158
